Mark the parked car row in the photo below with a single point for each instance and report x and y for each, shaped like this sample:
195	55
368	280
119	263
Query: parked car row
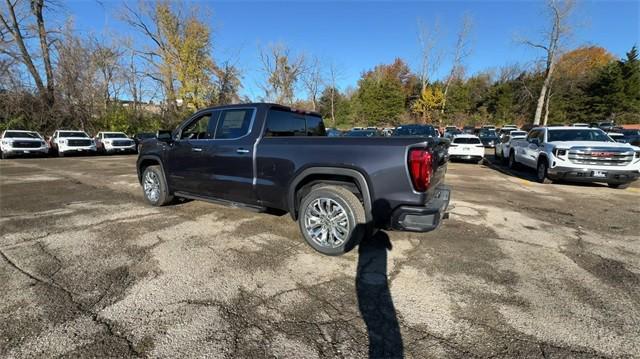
63	142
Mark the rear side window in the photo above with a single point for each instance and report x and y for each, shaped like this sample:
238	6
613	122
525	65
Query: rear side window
286	124
466	141
234	123
315	126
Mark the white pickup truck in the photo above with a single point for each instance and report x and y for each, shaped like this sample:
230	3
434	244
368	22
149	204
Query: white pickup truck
576	154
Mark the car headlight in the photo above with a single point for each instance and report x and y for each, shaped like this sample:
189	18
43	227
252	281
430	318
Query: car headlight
559	152
63	142
7	142
108	142
43	144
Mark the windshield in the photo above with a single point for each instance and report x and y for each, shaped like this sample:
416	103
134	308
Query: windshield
415	131
361	133
467	140
517	133
114	135
144	135
578	135
23	134
72	134
487	133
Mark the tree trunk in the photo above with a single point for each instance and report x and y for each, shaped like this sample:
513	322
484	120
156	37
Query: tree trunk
546	107
36	7
333	116
543	91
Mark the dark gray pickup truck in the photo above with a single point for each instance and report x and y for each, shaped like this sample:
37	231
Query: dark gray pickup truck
270	157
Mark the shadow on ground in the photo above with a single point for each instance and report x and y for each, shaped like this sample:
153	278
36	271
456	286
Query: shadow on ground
374	298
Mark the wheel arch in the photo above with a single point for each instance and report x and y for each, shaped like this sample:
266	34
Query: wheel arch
151	160
354	180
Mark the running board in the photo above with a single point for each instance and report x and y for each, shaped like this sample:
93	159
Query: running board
222	202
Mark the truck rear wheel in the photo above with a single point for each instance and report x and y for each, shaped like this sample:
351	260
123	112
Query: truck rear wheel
155	189
332	220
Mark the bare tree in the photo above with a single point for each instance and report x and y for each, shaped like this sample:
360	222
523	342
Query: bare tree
430	57
312	80
559	28
332	78
13	24
282	73
227	84
461	51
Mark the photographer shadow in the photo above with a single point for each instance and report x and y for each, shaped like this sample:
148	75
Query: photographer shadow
374	298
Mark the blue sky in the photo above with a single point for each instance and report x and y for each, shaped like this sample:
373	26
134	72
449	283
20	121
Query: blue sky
358	35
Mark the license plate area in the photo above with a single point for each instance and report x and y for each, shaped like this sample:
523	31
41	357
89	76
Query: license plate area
599	174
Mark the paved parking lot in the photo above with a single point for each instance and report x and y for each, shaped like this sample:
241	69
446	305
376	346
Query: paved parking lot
519	270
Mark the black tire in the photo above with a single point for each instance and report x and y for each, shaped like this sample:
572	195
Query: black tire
619	185
60	154
355	216
163	197
512	161
542	172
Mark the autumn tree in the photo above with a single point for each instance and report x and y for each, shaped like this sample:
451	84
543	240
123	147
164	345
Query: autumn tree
430	99
180	53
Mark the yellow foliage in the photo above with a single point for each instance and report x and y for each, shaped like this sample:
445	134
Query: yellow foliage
431	98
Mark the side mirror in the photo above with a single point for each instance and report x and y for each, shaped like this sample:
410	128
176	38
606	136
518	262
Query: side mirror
164	136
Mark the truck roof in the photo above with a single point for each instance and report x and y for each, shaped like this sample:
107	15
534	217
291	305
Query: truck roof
266	105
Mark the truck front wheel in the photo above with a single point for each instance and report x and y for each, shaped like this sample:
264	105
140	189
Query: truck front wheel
541	172
512	161
332	220
155	189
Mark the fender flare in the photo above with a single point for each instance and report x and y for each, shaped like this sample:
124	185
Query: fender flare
545	157
348	172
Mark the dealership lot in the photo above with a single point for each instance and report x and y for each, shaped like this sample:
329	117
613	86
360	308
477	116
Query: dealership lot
520	269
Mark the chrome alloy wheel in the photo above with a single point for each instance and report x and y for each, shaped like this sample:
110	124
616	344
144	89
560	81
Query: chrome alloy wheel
326	222
151	185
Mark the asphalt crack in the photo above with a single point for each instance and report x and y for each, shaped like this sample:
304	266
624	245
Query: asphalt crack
78	306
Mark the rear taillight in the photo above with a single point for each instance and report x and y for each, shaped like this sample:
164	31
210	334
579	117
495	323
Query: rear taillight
420	168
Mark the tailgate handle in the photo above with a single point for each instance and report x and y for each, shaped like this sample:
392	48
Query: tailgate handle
196	149
242	150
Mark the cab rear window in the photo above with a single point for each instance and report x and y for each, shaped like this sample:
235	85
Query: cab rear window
283	123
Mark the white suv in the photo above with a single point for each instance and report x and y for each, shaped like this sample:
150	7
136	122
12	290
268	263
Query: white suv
112	142
66	141
15	142
466	147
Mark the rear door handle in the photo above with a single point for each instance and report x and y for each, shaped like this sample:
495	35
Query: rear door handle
242	150
196	149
